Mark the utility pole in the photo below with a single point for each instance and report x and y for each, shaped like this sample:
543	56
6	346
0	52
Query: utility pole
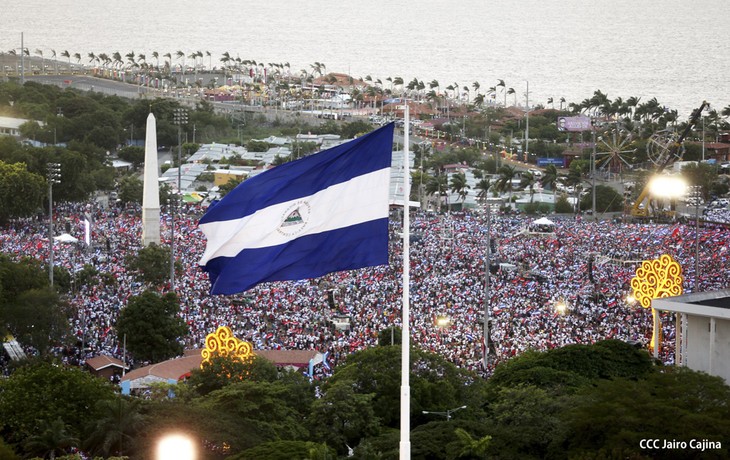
527	122
593	174
54	177
485	357
180	118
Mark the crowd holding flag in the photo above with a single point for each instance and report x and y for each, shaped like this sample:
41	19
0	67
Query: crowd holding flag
323	213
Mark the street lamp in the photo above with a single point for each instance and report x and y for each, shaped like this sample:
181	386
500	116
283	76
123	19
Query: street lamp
446	414
695	194
180	118
54	177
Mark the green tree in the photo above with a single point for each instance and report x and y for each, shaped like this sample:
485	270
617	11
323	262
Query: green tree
524	420
29	309
607	200
342	417
132	154
257	146
250	413
286	450
224	370
22	191
151	264
7	452
36	317
39	393
54	438
562	205
504	183
113	432
470	447
435	383
573	365
226	188
152	327
615	415
130	190
459	186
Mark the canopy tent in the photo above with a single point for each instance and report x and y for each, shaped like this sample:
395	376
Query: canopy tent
65	238
543	221
541	225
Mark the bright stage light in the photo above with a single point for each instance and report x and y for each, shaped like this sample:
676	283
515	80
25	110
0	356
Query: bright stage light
176	447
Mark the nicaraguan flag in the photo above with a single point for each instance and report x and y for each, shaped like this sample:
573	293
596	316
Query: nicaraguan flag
303	219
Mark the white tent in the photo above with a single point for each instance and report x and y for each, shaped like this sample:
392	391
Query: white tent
543	221
542	225
65	238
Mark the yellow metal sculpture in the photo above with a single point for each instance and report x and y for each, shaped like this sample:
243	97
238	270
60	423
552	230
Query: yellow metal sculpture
223	343
654	279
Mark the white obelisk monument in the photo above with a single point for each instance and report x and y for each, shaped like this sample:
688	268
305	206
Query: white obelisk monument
151	194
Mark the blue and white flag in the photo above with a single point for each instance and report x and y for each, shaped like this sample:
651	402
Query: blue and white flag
323	213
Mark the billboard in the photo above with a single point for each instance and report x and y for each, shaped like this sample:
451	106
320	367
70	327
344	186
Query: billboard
574	124
558	162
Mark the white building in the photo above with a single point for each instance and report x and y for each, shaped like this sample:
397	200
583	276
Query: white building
11	126
703	330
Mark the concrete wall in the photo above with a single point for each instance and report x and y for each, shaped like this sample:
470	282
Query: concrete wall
704	356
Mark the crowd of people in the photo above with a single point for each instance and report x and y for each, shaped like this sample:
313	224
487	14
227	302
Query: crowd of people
585	266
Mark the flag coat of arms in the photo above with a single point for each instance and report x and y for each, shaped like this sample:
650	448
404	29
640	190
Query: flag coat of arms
323	213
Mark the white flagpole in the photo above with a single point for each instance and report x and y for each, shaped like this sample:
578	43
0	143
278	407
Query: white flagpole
405	393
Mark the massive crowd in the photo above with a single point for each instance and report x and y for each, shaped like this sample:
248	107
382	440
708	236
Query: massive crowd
584	265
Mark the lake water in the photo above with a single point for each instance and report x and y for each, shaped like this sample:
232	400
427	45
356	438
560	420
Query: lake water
673	50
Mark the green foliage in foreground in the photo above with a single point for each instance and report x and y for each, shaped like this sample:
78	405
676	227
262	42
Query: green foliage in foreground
580	401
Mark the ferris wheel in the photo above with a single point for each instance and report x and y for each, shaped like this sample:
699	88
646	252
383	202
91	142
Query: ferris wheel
616	153
664	147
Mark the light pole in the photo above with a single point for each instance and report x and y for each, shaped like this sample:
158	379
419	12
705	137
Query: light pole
527	122
54	177
180	118
485	354
446	414
695	193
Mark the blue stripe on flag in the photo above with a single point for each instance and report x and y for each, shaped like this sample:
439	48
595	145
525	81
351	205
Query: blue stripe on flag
363	245
324	213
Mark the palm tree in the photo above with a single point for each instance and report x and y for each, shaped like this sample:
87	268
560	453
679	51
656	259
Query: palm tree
459	186
39	52
436	186
550	102
168	62
180	55
470	447
504	183
54	438
67	55
562	101
726	111
130	57
479	100
117	57
55	62
510	91
476	87
77	56
156	56
549	176
210	60
483	187
504	88
492	91
398	81
116	428
528	180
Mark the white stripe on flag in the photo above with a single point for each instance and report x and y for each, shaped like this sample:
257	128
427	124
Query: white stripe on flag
362	199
